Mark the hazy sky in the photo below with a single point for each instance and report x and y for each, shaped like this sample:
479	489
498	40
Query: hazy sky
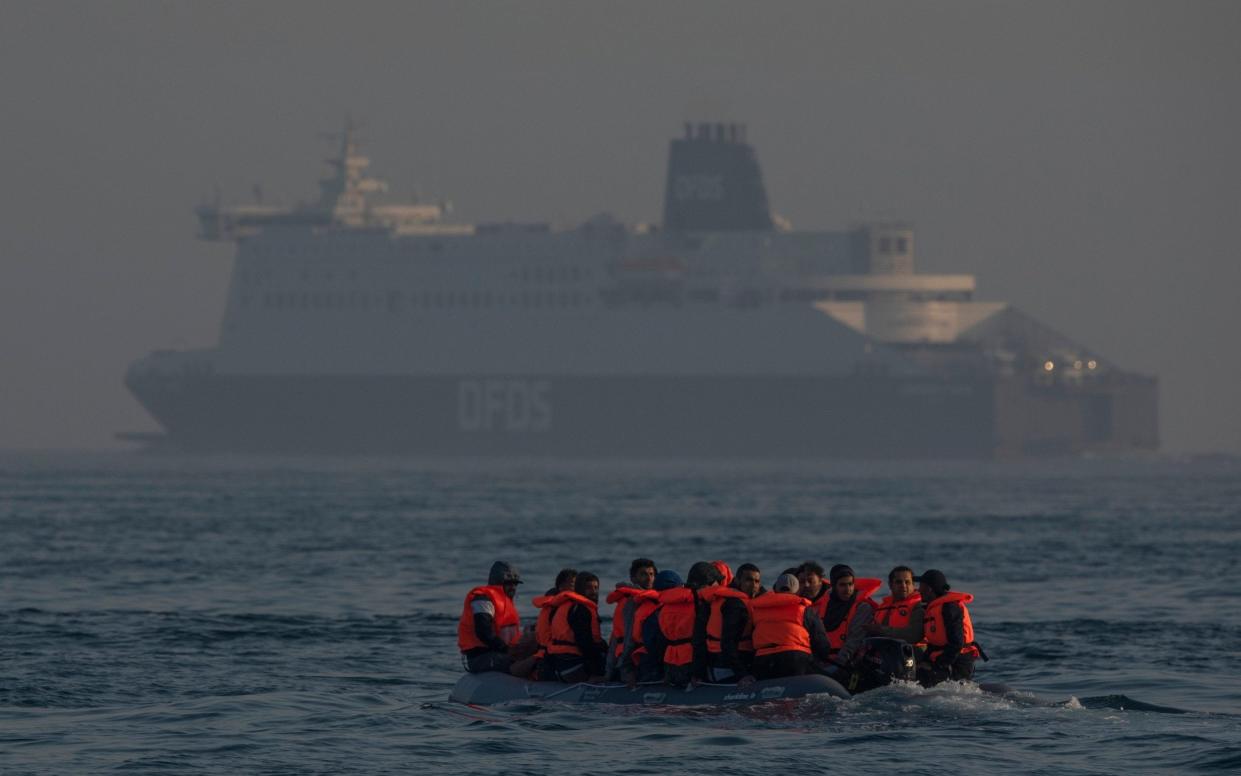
1081	158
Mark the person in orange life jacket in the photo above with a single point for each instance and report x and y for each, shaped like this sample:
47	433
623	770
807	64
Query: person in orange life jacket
899	615
675	636
730	649
947	630
651	655
726	574
576	650
627	598
535	662
490	625
701	577
849	611
811	587
788	635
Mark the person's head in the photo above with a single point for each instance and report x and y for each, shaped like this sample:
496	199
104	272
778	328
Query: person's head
566	579
726	574
748	579
842	581
587	586
702	574
642	572
932	584
667	579
901	582
785	583
810	575
505	575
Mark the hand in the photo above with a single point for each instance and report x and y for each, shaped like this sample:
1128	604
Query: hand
694	681
632	682
746	681
873	628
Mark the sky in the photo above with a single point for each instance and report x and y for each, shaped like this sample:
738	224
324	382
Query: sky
1079	157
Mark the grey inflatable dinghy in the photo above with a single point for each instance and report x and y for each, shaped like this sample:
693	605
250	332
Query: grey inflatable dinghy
490	688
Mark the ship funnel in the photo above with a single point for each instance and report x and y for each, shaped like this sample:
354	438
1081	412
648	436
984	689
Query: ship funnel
714	182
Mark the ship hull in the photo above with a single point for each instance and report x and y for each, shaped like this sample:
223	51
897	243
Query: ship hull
571	416
616	416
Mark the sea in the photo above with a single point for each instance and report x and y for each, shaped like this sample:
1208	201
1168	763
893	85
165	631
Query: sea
288	616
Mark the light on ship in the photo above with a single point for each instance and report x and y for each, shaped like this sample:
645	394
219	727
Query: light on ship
1048	366
1091	364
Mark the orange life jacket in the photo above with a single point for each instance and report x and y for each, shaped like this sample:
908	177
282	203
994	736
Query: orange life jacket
563	641
819	605
895	614
507	621
725	572
934	632
779	625
543	625
676	621
646	606
621	596
715	623
862	589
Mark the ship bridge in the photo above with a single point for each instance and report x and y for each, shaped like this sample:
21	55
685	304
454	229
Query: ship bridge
344	202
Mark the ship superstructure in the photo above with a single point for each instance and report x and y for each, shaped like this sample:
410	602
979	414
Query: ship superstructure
355	326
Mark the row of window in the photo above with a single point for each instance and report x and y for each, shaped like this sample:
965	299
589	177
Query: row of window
394	301
551	274
893	245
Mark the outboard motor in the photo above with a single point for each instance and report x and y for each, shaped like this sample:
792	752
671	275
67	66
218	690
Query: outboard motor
885	660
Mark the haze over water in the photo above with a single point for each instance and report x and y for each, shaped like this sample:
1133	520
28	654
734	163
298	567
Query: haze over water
284	616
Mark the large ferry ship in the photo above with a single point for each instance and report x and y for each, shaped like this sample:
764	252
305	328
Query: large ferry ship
354	326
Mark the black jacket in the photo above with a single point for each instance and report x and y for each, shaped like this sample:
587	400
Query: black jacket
734	617
954	631
592	651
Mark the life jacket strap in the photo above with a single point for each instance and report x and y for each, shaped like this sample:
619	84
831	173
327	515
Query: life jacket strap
678	642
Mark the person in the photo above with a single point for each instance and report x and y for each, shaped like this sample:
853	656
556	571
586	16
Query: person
788	635
726	573
675	635
947	631
645	662
811	587
575	650
730	645
849	610
899	614
490	625
627	597
702	578
533	664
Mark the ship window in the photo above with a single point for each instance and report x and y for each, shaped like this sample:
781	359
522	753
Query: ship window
902	245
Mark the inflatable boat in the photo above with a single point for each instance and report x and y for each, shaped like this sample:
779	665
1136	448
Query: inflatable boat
490	688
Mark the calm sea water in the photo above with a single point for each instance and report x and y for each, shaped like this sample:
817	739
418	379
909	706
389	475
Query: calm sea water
292	616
